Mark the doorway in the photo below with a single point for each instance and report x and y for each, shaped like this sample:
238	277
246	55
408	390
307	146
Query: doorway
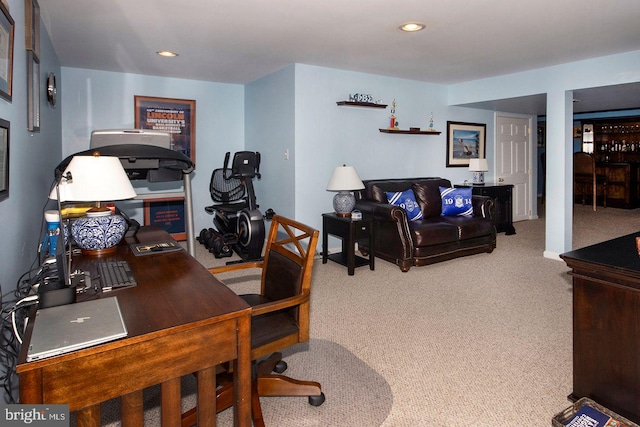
513	147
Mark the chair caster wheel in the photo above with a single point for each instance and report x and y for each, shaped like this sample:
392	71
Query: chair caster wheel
316	400
280	367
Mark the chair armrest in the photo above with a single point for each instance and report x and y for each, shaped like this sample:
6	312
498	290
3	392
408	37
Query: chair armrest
280	304
236	267
483	206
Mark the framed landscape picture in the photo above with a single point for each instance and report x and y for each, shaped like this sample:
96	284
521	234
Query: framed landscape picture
174	116
465	141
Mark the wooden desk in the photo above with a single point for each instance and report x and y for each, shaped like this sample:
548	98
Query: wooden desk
180	319
606	336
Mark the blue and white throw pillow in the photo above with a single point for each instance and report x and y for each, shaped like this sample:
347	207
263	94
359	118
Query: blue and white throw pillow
456	201
406	200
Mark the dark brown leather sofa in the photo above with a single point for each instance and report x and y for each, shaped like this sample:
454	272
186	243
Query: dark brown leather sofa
432	239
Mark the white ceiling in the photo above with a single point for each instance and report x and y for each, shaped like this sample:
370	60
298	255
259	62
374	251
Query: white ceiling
238	41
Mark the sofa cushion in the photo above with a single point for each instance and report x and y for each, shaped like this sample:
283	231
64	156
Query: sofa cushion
433	231
456	201
406	200
428	196
470	227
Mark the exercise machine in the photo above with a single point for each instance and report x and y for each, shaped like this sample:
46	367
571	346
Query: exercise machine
239	224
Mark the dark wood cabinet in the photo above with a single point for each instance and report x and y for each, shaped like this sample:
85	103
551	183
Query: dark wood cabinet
606	335
502	195
616	147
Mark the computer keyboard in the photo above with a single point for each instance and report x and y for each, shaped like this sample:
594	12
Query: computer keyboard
115	274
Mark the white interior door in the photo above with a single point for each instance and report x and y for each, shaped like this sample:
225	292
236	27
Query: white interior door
513	141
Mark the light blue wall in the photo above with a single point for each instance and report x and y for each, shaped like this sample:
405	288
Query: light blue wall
558	83
270	129
105	100
328	135
33	157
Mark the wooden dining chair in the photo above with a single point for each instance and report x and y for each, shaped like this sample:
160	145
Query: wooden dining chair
280	316
587	179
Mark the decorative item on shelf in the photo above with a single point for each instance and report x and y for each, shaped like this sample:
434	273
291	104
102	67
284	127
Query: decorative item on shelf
478	167
344	180
431	129
361	97
393	124
95	179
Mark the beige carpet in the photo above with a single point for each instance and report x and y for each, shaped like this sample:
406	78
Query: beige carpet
483	340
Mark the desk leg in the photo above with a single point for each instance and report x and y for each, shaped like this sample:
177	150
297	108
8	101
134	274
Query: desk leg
206	397
171	403
242	374
88	417
132	410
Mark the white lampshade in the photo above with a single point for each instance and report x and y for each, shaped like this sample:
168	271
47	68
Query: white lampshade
345	178
94	179
478	165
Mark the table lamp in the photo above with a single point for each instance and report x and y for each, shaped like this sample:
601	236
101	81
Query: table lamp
344	180
95	179
478	167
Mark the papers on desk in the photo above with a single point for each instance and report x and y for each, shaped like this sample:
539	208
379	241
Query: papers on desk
152	248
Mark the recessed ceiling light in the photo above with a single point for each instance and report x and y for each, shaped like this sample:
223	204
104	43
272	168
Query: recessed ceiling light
411	27
167	53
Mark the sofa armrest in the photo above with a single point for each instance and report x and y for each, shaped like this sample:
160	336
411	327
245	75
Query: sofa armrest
381	211
483	206
391	224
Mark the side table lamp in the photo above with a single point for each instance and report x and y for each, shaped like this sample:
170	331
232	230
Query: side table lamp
95	179
478	167
344	180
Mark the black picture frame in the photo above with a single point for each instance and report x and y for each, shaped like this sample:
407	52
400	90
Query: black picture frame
33	92
465	141
175	116
7	29
4	159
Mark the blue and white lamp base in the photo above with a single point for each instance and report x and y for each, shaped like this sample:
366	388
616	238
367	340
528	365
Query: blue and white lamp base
343	203
478	178
98	233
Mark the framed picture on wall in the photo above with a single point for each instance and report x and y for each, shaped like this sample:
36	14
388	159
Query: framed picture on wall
465	141
6	53
4	159
168	214
33	92
32	26
175	116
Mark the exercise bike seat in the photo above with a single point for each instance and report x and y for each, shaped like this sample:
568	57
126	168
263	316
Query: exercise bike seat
228	194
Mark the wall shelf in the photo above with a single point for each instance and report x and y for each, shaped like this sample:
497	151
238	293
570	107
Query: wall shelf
361	104
411	132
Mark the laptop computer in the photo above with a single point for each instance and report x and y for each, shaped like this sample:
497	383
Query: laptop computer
65	328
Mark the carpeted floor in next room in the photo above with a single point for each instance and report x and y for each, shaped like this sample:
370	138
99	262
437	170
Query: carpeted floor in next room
483	340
